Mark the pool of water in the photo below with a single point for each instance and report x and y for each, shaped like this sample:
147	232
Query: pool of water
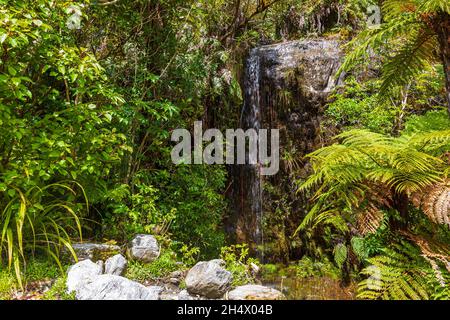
314	288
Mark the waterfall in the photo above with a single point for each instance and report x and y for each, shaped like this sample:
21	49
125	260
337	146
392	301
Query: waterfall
252	120
285	87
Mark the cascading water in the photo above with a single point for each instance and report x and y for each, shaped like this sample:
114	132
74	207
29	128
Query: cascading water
251	119
285	87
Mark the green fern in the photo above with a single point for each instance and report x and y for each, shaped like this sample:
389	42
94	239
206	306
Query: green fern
364	160
340	254
402	273
394	276
359	248
412	27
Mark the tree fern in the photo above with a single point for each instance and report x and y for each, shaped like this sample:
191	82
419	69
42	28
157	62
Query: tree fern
395	275
368	221
364	172
408	62
416	28
406	271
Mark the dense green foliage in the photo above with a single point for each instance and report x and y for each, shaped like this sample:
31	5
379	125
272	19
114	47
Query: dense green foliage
377	190
91	91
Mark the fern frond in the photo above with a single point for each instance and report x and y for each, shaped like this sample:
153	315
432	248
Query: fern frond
435	202
369	221
432	6
395	275
408	62
436	254
340	254
360	47
394	8
432	142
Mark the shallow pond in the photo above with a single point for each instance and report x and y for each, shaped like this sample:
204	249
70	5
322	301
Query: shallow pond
313	288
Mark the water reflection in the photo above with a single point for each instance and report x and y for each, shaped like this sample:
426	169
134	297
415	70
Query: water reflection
313	288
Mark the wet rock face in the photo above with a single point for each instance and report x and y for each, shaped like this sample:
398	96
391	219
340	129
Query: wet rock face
296	79
286	86
317	59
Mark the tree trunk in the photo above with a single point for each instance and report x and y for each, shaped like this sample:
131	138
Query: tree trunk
400	202
443	32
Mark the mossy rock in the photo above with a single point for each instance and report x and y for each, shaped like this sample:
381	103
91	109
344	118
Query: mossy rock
95	251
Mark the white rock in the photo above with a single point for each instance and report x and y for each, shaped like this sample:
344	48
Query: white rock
112	287
101	264
254	292
81	273
144	248
208	279
116	265
184	295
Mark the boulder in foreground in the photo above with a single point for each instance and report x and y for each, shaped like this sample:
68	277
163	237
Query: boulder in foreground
208	279
82	273
144	248
111	287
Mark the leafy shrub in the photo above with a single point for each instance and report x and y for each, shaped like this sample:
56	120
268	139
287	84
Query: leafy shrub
133	213
161	267
58	291
307	267
56	115
239	263
186	207
189	256
195	192
32	221
7	284
358	107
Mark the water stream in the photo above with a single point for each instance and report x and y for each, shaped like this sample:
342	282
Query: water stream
251	119
285	87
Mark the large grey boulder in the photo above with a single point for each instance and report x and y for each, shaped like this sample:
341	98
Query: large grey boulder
94	251
82	273
116	265
254	292
144	248
208	279
112	287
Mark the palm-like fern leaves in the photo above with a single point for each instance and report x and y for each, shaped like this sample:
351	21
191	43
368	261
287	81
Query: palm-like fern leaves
365	163
410	26
395	275
407	271
364	157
